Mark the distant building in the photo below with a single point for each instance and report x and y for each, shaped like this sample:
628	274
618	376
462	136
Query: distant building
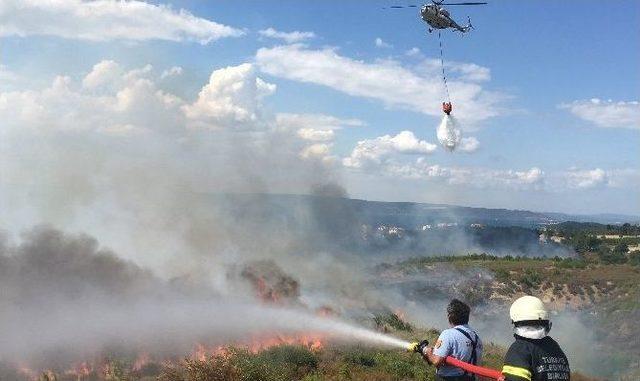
616	236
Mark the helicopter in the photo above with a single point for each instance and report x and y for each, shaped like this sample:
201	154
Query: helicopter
437	17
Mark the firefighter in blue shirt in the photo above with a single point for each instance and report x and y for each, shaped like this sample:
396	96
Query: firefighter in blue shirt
460	341
534	356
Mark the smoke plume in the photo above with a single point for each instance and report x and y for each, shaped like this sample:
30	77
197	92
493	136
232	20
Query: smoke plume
66	299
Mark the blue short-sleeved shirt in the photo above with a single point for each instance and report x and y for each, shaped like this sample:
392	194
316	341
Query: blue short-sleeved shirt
453	343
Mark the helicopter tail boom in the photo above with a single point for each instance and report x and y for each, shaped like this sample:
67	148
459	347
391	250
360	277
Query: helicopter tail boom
466	28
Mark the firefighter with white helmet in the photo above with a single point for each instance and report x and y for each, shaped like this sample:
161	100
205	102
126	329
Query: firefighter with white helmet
534	356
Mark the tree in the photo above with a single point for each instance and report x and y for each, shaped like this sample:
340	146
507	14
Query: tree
621	248
626	229
609	256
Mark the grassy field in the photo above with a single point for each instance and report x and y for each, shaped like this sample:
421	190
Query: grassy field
611	286
287	363
331	363
610	290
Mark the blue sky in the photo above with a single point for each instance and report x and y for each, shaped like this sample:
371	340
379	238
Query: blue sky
552	107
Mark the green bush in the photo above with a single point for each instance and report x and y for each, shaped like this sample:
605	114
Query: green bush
403	366
360	357
502	275
393	321
298	356
530	278
571	263
217	368
254	368
607	256
281	363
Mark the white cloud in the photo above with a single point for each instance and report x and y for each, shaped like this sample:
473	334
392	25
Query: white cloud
413	52
104	20
582	179
469	71
490	178
316	135
477	177
320	150
459	71
469	144
382	44
288	37
387	81
533	178
292	121
125	99
128	103
104	72
374	152
607	114
381	157
174	71
232	98
314	127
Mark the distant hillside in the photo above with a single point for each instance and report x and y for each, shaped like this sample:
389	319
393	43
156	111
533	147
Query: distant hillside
389	228
410	215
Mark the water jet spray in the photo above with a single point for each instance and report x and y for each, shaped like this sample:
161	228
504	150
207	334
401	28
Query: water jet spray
346	330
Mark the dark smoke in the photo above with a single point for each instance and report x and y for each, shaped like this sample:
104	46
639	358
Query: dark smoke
49	266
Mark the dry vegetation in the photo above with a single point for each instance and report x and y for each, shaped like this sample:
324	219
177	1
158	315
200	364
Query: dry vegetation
285	363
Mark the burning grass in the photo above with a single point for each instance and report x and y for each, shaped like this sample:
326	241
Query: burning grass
270	283
287	362
278	362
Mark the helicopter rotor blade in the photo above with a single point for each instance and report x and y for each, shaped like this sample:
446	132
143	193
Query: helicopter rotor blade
471	3
400	6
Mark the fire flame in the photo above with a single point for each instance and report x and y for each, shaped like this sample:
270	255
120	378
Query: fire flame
101	369
313	342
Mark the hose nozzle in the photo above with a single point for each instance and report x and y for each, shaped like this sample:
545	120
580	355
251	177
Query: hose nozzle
418	347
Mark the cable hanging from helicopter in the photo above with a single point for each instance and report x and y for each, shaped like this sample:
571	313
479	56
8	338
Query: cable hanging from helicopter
446	106
438	17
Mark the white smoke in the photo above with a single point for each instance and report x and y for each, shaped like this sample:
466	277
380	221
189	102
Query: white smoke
449	134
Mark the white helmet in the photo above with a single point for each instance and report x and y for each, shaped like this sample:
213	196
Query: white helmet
528	308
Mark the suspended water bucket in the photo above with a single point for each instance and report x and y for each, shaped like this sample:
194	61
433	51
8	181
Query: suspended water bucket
446	107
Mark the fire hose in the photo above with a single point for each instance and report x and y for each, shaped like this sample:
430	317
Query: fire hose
469	368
